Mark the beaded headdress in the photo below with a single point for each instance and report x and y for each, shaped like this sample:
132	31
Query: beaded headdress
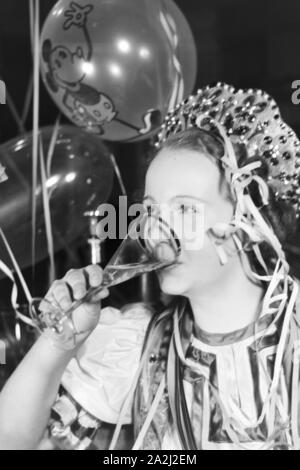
250	117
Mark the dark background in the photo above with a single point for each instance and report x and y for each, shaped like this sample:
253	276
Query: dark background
245	43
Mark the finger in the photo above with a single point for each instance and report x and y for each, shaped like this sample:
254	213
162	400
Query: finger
104	293
61	294
100	295
46	306
94	275
77	282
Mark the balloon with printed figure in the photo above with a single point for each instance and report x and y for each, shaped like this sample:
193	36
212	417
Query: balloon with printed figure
115	67
80	177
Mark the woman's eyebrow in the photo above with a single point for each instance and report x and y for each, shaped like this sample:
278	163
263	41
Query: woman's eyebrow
187	196
178	196
147	198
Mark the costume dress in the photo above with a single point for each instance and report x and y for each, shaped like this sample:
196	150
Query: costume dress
217	397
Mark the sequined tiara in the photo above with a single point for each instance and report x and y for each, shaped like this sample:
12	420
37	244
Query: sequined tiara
250	117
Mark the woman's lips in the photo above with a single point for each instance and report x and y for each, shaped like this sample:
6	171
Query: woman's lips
171	267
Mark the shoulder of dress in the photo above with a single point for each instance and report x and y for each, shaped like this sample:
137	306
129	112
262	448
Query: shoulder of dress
99	377
136	308
112	315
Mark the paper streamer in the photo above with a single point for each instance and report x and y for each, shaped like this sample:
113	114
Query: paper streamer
35	130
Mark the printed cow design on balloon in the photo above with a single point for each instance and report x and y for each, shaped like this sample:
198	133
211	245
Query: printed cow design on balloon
67	70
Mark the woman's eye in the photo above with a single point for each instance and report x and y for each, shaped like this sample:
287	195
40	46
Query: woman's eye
187	209
149	210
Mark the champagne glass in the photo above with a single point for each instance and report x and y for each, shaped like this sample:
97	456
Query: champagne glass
150	245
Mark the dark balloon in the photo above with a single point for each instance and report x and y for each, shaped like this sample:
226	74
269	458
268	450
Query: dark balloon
81	179
115	67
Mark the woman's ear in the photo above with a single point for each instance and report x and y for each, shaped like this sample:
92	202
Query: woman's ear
222	231
218	235
217	243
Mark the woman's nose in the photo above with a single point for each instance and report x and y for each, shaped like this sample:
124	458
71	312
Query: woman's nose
161	240
164	252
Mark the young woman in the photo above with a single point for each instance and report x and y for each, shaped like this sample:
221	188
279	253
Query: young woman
217	369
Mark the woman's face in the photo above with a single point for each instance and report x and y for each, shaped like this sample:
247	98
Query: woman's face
188	185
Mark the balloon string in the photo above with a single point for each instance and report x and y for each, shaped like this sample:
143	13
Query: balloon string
52	146
27	100
118	174
14	293
47	214
172	36
16	266
128	124
14	112
35	127
29	91
31	25
295	395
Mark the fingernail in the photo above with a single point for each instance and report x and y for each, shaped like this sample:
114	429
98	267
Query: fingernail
104	293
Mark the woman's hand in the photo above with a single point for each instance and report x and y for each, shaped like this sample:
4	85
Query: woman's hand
74	286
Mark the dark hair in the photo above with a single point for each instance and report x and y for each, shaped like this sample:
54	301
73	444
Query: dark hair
278	214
